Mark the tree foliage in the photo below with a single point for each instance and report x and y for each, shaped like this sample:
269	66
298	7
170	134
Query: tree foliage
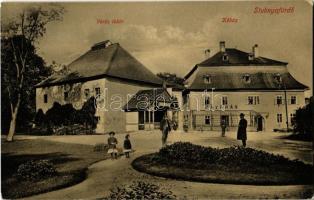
171	78
66	115
35	71
19	35
303	122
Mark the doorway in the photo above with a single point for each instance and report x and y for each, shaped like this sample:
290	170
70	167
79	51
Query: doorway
259	123
225	118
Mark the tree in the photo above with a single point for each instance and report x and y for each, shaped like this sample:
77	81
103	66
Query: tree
20	35
171	78
303	121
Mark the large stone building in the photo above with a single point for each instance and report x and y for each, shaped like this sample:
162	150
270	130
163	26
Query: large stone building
233	82
106	71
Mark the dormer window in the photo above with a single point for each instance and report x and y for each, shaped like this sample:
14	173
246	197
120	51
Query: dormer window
225	57
207	79
251	56
278	78
247	78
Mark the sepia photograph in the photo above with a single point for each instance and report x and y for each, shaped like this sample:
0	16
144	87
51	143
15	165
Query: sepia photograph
157	100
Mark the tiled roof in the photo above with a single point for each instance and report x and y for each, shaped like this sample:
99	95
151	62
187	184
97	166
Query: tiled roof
113	61
146	97
228	74
224	80
237	57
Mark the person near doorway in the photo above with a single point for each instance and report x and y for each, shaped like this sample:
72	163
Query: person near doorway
223	127
242	130
127	146
165	129
112	144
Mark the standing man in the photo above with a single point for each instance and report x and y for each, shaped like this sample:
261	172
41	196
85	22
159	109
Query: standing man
223	127
242	130
165	128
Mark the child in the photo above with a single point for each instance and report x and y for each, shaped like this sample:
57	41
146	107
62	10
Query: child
112	143
127	146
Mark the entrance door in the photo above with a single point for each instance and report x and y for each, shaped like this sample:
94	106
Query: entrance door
259	123
225	118
141	120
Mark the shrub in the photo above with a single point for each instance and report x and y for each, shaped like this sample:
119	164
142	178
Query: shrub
35	170
139	190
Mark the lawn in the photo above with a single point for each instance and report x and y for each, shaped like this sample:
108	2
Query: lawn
71	162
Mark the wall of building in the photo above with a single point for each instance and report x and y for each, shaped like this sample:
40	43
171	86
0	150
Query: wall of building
179	115
118	94
238	102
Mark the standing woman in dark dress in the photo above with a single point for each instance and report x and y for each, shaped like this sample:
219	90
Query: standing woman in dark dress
242	130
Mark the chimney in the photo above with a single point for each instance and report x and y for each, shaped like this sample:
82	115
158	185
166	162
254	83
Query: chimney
207	53
255	51
164	85
101	45
222	46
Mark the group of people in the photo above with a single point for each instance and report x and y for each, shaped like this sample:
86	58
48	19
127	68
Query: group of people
112	145
165	127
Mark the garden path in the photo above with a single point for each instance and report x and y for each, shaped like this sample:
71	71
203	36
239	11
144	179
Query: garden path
109	173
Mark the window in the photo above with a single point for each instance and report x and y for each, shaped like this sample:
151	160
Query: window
207	79
97	91
247	78
279	100
66	96
45	98
86	93
293	100
251	56
278	78
225	57
292	118
279	118
207	120
253	100
224	100
207	102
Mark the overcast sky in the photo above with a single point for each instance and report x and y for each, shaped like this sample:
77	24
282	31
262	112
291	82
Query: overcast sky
172	36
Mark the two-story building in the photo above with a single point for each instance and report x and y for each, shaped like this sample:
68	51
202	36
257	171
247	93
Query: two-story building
109	73
233	82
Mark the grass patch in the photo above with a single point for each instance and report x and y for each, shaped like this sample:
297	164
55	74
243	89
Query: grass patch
70	160
234	165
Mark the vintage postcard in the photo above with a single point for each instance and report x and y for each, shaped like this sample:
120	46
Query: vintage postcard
157	100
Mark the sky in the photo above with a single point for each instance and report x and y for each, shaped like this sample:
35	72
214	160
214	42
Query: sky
172	36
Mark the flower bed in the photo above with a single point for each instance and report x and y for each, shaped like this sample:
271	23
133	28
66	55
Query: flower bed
139	190
234	165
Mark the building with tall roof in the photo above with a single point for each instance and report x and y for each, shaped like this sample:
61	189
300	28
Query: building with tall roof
109	73
232	82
